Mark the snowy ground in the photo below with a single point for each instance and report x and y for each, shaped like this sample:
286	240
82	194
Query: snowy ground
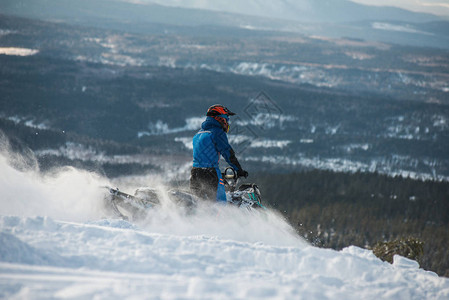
57	242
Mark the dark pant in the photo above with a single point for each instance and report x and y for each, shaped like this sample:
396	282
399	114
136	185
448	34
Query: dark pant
204	182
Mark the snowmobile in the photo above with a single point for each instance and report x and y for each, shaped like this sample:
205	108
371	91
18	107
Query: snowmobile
246	196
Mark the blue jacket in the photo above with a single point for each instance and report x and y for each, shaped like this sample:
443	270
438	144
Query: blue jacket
211	142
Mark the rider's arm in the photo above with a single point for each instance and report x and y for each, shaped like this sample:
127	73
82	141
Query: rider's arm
221	141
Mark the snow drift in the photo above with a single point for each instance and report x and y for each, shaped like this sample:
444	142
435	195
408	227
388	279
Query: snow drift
111	259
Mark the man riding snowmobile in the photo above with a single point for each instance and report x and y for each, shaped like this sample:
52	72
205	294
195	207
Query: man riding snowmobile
208	144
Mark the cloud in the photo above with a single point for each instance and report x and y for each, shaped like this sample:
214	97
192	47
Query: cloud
435	4
438	7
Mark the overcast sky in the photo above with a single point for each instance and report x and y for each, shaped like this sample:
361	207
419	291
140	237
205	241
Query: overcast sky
439	7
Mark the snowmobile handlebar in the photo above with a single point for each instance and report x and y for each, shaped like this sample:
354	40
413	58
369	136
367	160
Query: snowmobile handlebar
230	178
230	173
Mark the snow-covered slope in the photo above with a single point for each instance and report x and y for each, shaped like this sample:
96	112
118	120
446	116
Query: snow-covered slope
108	259
55	242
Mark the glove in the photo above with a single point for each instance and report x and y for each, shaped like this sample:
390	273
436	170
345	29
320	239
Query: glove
242	173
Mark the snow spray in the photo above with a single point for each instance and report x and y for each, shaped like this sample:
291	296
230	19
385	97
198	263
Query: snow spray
65	194
70	194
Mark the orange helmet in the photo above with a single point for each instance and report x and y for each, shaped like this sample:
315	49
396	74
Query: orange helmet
218	109
221	114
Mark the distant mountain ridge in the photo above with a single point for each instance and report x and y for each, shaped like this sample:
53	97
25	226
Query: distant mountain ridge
218	11
303	10
336	18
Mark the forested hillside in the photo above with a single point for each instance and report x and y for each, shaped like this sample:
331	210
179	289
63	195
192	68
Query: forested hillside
338	209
